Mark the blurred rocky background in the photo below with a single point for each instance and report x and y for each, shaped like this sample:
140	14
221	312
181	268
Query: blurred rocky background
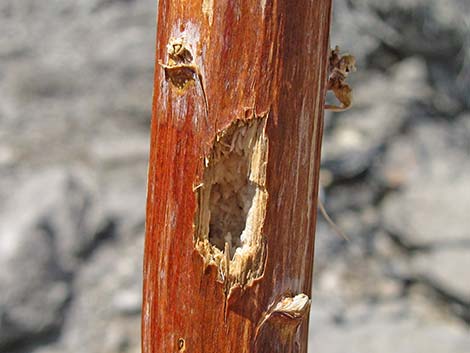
75	97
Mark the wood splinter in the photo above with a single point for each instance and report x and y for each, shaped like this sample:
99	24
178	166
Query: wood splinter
285	316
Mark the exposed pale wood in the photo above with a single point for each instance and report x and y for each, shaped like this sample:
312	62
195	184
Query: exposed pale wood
249	59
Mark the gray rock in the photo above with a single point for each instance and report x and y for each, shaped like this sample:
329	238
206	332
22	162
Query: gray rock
383	32
386	327
123	189
45	226
128	302
105	313
432	214
381	110
65	204
428	150
56	92
430	166
411	21
447	270
33	288
348	32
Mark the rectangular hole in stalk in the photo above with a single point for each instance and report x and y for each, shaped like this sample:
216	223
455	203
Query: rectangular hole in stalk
232	201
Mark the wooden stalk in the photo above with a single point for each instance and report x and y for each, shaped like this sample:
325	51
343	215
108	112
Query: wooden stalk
233	175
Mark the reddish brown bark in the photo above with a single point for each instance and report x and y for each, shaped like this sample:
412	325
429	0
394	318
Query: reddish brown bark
233	61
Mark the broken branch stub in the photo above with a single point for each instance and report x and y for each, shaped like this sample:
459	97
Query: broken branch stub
180	69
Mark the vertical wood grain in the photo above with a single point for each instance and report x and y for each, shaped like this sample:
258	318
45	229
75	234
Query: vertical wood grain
260	58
